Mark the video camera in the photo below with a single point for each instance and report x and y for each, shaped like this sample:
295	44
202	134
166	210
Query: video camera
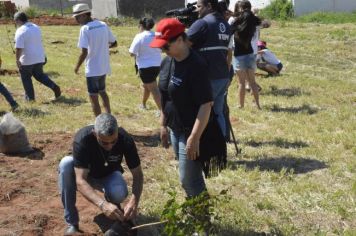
186	15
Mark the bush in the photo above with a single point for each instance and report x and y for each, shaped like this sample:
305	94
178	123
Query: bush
278	10
33	12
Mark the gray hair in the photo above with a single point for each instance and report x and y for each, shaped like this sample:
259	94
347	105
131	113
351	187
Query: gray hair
21	16
105	124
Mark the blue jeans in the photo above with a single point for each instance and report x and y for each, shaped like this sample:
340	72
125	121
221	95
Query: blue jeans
35	70
113	186
219	87
7	95
190	172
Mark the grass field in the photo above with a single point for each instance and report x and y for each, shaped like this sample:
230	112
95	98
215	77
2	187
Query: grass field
296	174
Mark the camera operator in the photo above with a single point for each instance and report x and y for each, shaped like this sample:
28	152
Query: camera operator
209	36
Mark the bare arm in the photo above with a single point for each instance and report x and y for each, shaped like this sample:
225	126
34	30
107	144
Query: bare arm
201	121
109	209
81	59
18	55
130	209
164	130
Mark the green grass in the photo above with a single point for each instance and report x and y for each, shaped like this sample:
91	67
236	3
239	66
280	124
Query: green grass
296	174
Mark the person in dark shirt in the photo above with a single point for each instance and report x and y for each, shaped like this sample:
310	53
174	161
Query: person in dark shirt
209	36
244	61
98	151
186	105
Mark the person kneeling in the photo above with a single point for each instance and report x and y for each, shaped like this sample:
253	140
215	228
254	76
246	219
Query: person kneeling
98	151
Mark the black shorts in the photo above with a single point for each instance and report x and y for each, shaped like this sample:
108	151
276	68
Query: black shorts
149	74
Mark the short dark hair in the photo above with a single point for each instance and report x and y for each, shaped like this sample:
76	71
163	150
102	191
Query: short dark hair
21	16
214	4
245	5
147	23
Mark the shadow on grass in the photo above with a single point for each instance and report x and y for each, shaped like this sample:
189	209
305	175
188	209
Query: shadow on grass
31	112
285	92
53	74
72	101
3	113
149	140
297	165
305	108
229	232
105	223
35	154
278	142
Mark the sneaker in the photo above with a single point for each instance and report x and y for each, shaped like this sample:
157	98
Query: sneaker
57	91
157	113
14	107
142	107
72	229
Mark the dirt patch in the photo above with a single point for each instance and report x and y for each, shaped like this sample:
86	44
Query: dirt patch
29	198
46	20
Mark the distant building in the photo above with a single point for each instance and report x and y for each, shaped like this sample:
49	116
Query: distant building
302	7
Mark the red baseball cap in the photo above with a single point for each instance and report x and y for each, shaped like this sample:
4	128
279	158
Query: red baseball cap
166	29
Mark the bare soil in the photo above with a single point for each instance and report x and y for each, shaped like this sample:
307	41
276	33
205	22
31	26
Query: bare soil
46	20
30	203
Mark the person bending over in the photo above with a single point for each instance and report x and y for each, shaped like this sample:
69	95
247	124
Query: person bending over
98	151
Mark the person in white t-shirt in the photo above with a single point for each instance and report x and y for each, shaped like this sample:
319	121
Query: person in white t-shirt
148	61
95	39
267	61
30	56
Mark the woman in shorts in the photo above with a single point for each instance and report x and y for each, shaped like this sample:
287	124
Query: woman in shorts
244	60
148	61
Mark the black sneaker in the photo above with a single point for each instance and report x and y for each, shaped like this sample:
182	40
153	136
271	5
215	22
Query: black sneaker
14	107
57	91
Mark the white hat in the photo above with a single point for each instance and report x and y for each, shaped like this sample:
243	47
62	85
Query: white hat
80	8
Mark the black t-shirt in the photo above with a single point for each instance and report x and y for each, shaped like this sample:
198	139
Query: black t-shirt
189	87
90	155
245	27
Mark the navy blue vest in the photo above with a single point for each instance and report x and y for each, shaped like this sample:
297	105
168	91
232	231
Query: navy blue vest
215	47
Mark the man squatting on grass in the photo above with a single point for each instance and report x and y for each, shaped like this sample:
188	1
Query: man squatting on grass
96	163
30	56
95	38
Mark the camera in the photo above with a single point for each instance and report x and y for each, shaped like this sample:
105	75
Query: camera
186	15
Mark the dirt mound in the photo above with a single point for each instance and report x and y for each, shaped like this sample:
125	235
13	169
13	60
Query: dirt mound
46	20
29	198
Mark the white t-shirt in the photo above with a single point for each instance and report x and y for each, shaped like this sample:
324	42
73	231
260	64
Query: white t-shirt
269	57
96	36
145	55
28	37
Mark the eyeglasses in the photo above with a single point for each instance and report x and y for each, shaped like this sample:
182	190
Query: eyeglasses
166	47
168	44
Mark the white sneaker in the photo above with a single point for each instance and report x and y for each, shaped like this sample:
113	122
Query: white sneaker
142	107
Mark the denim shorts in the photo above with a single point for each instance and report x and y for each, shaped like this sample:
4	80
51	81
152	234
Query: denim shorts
96	84
244	62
